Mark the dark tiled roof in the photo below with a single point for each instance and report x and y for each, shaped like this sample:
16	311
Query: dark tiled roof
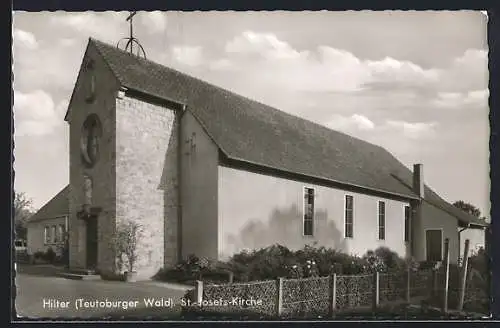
256	133
56	207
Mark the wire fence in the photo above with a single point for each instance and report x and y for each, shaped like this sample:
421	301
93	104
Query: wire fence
325	296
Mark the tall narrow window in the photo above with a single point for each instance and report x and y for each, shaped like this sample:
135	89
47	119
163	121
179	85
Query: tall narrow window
60	233
381	220
308	212
53	234
47	236
349	217
407	223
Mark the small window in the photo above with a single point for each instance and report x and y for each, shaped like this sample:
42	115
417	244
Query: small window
47	236
407	223
54	234
62	230
349	217
381	220
308	212
60	233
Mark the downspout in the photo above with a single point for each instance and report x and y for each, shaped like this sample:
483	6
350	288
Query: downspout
179	183
459	239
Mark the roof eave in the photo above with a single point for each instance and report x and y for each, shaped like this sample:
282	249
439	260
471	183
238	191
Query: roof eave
389	193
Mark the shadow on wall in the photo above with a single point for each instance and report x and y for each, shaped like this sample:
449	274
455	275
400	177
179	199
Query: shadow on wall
285	227
169	184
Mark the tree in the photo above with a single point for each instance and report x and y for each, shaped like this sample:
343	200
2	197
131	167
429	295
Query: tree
22	212
467	207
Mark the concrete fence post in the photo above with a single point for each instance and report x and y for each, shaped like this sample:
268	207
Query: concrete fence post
434	283
198	292
446	274
333	293
408	284
279	297
376	290
463	276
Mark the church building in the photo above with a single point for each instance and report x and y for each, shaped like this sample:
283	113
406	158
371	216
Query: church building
208	172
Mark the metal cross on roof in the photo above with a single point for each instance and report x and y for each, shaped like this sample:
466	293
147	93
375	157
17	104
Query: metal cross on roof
131	40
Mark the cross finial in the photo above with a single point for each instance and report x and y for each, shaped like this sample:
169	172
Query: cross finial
130	20
131	39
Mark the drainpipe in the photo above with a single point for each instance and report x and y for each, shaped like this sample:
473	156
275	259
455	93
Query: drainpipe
459	238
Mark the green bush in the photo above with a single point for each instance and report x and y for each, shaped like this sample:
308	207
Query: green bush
195	268
278	261
49	255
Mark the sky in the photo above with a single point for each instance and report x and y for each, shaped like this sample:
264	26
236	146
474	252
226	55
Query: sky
415	83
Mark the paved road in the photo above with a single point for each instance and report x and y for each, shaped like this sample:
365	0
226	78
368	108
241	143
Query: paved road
40	294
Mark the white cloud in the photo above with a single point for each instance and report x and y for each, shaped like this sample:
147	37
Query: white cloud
472	57
457	100
108	26
467	72
67	42
265	44
478	95
188	55
413	130
390	69
35	113
356	121
274	61
221	64
155	21
24	39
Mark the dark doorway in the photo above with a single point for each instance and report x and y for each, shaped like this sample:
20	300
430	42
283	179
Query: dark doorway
434	245
92	242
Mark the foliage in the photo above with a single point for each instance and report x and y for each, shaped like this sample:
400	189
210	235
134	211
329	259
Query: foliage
63	256
467	207
480	262
49	256
124	243
278	261
22	212
39	255
195	268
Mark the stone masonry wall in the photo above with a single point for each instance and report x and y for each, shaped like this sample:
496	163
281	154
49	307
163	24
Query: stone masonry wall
146	179
103	173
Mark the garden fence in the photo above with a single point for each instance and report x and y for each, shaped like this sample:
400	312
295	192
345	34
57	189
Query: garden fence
326	296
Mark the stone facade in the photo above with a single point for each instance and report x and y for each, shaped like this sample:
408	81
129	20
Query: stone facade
135	176
102	174
146	179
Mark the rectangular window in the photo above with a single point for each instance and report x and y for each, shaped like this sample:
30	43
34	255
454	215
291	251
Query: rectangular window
349	217
381	220
53	234
407	223
60	233
308	212
47	236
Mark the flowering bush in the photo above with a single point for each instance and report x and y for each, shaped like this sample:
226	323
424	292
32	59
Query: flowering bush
374	262
278	261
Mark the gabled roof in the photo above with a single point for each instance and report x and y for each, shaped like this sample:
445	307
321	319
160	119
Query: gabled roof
56	207
249	131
